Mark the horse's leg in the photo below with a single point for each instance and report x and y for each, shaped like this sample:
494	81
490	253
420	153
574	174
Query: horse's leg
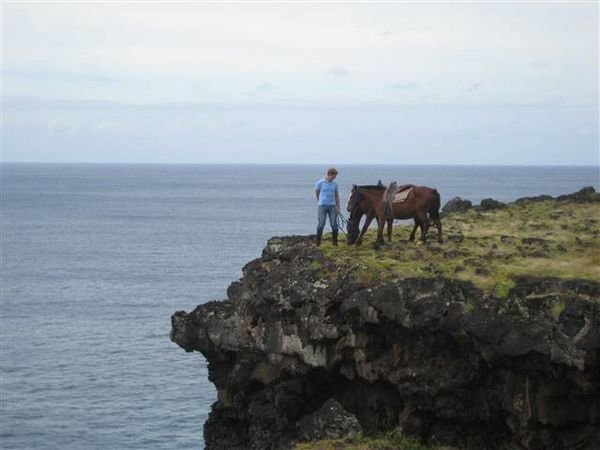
414	230
424	224
438	224
380	224
368	221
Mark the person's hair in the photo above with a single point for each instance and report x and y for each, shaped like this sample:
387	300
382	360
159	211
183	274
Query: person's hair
332	171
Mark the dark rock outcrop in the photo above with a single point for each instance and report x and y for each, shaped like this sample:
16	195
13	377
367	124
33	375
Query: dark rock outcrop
459	205
585	195
489	204
332	421
456	205
292	351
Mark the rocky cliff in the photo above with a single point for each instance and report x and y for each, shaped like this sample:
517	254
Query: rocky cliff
306	348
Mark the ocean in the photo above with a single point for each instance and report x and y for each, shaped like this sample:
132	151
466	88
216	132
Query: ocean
96	257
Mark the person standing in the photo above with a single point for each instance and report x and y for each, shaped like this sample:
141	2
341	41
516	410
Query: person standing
329	205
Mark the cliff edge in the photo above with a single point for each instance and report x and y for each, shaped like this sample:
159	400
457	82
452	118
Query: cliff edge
482	342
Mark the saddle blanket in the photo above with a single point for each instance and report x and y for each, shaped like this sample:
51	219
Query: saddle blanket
401	196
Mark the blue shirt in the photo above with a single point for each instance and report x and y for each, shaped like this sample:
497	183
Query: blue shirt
327	194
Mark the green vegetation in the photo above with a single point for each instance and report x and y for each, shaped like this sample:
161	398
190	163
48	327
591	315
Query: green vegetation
390	441
487	248
315	265
557	309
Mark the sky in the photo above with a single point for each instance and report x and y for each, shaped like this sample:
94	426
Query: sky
512	83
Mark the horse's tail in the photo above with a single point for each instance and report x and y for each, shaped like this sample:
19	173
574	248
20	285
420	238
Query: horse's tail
434	211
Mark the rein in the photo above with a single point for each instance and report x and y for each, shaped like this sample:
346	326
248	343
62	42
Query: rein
342	223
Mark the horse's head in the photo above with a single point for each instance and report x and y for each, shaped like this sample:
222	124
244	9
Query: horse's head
356	214
351	198
353	227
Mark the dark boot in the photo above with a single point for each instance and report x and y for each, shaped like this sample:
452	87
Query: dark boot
334	236
319	236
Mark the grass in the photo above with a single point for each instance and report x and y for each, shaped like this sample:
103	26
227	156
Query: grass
489	249
557	309
389	441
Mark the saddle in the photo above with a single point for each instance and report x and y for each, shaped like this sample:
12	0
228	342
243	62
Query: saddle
395	194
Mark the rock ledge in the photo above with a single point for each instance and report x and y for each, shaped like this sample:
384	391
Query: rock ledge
437	358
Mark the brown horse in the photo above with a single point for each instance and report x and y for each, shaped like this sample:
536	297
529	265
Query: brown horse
358	206
421	204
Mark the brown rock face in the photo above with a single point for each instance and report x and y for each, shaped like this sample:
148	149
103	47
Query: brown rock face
291	351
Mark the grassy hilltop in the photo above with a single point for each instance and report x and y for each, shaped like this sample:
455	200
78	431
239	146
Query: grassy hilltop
559	239
537	238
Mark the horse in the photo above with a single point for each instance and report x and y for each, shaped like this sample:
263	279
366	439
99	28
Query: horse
421	204
356	212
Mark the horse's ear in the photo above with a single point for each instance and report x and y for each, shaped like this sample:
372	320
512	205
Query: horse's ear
354	187
379	183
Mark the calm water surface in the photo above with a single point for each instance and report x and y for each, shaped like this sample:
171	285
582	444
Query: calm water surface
96	258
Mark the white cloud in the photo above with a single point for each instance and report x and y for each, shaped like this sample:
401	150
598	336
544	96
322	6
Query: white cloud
59	125
301	60
405	86
158	46
105	126
474	87
339	71
266	87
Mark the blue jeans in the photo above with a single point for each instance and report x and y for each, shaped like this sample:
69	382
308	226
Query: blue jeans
323	212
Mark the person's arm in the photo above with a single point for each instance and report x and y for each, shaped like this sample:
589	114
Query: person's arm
318	192
337	200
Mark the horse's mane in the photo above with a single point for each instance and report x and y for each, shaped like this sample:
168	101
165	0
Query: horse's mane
379	187
357	190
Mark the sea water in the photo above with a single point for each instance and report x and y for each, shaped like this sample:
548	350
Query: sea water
95	258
